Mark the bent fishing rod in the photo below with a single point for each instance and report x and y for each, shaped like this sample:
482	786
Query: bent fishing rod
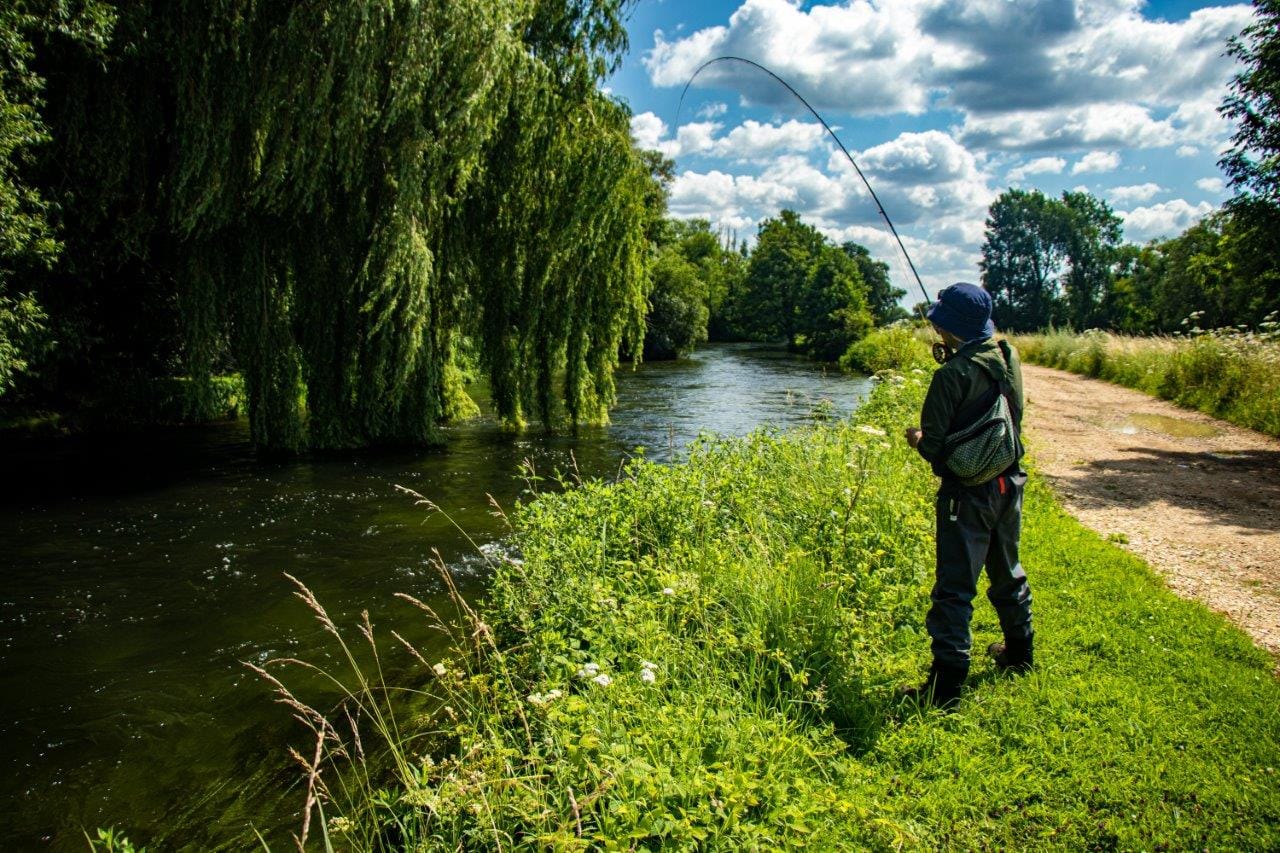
832	133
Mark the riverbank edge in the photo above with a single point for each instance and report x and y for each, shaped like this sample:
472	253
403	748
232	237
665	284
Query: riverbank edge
775	627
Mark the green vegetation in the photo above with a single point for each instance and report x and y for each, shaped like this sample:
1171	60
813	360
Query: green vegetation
331	200
707	654
897	347
793	287
1230	374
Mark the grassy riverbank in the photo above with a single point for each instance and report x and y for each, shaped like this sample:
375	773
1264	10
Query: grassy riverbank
775	588
1230	375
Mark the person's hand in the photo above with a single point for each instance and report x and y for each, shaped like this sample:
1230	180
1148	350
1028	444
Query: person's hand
913	434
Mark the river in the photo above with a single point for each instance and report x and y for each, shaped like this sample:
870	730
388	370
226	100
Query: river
141	571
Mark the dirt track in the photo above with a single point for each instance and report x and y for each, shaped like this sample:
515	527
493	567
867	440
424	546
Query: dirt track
1198	498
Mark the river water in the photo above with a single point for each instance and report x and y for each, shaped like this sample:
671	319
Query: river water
140	573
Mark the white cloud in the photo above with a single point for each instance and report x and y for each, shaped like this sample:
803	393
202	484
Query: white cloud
1166	219
858	57
712	110
1096	161
752	140
1024	75
1211	185
1038	166
1105	125
1134	192
1188	151
648	130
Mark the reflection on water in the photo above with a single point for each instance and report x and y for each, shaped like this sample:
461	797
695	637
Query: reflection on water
139	572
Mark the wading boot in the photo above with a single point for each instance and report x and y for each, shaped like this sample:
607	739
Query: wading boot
1013	655
941	687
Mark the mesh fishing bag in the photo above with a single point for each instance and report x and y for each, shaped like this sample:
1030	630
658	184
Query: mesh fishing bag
989	444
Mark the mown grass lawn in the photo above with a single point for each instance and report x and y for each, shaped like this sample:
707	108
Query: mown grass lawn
774	590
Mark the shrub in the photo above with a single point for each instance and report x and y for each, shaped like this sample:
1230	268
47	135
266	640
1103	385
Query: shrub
898	347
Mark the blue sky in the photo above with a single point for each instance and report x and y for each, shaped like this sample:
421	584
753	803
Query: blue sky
944	103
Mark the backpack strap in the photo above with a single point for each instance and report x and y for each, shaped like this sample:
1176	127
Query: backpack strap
1006	384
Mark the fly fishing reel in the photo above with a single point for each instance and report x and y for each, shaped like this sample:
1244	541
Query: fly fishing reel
941	352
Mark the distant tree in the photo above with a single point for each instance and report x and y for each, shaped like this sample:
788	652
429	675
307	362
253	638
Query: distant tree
1022	257
677	317
1252	164
832	312
882	296
785	252
1092	237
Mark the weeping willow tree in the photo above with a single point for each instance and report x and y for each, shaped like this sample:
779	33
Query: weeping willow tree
557	236
337	192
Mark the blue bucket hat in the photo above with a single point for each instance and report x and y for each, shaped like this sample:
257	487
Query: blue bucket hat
964	310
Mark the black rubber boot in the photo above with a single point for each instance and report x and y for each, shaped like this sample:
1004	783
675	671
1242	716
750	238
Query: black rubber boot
1014	656
941	686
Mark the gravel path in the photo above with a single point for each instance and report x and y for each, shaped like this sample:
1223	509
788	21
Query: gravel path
1198	498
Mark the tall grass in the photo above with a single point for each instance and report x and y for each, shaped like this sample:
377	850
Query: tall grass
706	655
1230	374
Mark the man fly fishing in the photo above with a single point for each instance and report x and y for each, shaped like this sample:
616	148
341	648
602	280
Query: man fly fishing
970	432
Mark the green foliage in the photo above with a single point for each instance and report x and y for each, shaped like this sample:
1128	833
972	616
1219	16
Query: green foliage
832	309
110	841
1022	256
900	347
329	197
677	318
27	240
1092	238
1047	261
1252	164
1230	374
774	588
781	262
804	290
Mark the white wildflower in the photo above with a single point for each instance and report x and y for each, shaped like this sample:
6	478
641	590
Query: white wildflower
648	664
603	680
588	670
870	430
666	590
648	676
440	670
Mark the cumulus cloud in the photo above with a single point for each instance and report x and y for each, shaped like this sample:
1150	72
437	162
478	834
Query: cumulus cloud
1162	220
858	57
1031	74
1110	125
750	141
1211	185
648	130
1134	192
1187	151
1038	166
1096	161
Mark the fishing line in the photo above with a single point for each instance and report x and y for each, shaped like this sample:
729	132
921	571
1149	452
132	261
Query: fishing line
832	133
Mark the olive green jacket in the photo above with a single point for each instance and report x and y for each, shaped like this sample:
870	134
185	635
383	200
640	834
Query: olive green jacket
956	386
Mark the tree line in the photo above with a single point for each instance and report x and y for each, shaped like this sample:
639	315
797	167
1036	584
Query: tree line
793	287
1062	261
